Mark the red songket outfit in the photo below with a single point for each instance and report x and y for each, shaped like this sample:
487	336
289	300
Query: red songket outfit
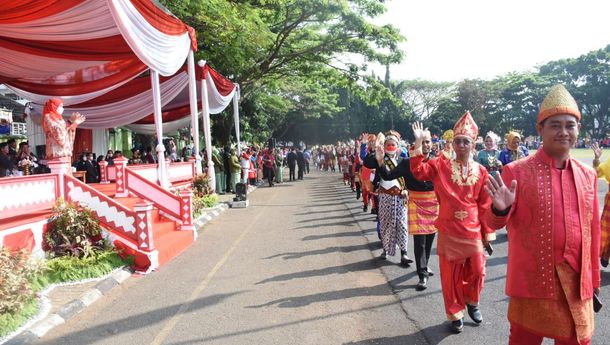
553	254
462	204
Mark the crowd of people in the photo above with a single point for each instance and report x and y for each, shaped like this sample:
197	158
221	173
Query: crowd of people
448	190
256	165
18	160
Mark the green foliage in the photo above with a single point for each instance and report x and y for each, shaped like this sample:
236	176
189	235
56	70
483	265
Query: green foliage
202	202
20	279
74	230
288	56
11	321
201	185
16	272
69	268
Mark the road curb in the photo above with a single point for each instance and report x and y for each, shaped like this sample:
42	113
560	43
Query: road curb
210	214
68	311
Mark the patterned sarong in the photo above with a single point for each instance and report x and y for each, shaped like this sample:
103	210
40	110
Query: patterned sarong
564	317
393	220
423	211
605	225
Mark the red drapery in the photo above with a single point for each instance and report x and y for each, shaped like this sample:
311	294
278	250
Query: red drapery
19	11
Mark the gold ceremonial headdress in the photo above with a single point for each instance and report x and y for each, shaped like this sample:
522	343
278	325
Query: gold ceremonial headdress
558	102
466	127
448	135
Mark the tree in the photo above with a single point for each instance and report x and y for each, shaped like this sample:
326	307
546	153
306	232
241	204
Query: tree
258	42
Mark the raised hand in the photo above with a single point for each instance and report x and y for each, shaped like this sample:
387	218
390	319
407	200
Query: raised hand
379	153
418	131
597	151
501	196
77	118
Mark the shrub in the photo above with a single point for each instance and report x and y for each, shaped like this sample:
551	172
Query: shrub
16	272
202	202
201	185
74	230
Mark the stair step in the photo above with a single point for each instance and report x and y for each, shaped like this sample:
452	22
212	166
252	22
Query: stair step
159	228
172	244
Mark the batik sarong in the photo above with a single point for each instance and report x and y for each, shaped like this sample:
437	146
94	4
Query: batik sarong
393	219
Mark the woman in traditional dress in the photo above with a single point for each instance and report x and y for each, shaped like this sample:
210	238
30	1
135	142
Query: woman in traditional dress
489	158
59	134
514	150
392	212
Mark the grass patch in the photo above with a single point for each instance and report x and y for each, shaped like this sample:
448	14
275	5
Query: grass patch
202	202
68	268
585	155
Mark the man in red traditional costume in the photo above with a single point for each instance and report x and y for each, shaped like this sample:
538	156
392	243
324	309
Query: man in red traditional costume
59	135
462	233
551	214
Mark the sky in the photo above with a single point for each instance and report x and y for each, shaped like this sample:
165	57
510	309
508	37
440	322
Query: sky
451	40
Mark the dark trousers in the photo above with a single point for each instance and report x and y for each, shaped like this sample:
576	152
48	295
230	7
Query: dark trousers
228	184
422	244
291	174
300	172
306	167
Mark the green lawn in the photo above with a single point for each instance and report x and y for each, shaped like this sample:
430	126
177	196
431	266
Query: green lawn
582	154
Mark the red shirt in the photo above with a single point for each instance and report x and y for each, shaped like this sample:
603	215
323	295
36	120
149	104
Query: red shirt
566	227
462	199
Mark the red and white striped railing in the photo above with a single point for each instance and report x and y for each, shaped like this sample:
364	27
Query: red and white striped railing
26	194
134	225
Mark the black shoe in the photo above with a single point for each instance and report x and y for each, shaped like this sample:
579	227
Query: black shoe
422	284
365	208
604	262
429	272
374	210
383	255
475	313
357	194
457	326
404	259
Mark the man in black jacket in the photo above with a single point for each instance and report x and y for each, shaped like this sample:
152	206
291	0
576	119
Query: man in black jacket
6	163
291	158
300	163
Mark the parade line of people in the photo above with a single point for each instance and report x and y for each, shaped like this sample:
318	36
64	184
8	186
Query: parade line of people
546	201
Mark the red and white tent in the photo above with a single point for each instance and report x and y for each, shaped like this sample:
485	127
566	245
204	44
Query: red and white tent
131	105
81	49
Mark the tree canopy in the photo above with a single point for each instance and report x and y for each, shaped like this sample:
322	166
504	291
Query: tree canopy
303	67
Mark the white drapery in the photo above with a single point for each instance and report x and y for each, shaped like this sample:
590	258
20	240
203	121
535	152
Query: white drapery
163	53
124	111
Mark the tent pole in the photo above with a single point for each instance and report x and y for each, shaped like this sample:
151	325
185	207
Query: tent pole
193	103
236	117
205	108
156	90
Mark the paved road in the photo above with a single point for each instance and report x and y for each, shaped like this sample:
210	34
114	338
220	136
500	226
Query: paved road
293	268
297	267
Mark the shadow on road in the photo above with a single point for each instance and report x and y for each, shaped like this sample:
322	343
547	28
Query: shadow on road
133	322
329	250
338	234
301	301
365	265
